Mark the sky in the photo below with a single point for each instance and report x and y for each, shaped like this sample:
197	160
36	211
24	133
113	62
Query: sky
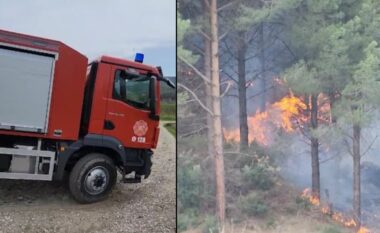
118	28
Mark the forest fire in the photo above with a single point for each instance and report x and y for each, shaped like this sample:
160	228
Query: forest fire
280	115
336	216
363	230
290	109
306	194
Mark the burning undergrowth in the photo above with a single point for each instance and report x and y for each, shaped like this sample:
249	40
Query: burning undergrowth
279	116
326	208
284	130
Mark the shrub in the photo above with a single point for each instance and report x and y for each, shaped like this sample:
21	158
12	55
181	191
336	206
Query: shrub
302	203
189	186
331	230
253	205
187	220
271	223
168	111
210	225
257	149
257	177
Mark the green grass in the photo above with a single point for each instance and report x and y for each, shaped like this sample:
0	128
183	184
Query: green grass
168	111
171	127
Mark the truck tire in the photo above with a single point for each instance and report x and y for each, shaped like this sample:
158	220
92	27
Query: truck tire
92	178
5	162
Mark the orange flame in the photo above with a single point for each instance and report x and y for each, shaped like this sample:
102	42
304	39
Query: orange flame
311	198
290	108
336	216
348	222
281	114
363	230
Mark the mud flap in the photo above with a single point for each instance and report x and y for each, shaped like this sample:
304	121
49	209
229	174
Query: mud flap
147	157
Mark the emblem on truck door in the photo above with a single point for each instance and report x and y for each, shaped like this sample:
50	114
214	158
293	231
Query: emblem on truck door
140	128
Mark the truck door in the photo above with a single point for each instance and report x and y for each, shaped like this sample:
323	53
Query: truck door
128	109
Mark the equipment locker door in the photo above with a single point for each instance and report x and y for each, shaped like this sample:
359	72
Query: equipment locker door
25	88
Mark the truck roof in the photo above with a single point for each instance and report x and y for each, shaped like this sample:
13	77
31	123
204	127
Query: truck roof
29	41
127	63
53	77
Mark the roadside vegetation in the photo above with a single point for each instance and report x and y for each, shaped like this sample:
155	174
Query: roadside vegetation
168	111
168	107
171	127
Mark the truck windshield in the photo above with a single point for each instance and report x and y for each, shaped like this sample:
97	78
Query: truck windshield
133	90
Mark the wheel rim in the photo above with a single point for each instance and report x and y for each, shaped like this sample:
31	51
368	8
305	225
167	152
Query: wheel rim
96	180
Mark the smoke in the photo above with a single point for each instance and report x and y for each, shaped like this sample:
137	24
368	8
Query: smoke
336	168
255	95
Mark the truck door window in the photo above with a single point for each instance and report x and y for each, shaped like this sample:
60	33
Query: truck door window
133	90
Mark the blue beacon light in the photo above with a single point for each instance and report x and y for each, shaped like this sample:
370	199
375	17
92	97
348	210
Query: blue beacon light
139	57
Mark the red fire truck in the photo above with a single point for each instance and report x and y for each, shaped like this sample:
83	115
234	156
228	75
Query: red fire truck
62	117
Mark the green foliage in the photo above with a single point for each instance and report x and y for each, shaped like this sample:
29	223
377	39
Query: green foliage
182	97
302	80
171	127
334	52
253	205
189	180
187	220
195	143
331	230
210	225
361	94
168	94
324	47
302	203
257	177
251	15
182	28
168	111
271	223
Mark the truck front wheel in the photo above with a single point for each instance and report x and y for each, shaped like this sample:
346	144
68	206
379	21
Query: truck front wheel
92	178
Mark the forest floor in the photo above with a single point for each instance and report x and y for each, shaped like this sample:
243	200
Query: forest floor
285	216
33	206
286	224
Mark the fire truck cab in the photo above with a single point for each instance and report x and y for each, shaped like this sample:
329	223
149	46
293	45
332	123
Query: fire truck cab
61	116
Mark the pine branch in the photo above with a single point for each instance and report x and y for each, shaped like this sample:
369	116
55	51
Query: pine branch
195	69
370	146
196	98
227	89
227	5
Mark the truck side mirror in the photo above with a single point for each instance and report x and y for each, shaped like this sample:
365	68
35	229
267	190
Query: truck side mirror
170	83
152	89
162	78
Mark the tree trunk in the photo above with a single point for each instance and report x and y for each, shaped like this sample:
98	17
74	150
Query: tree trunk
263	85
207	73
210	132
241	53
315	181
216	110
356	172
332	100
